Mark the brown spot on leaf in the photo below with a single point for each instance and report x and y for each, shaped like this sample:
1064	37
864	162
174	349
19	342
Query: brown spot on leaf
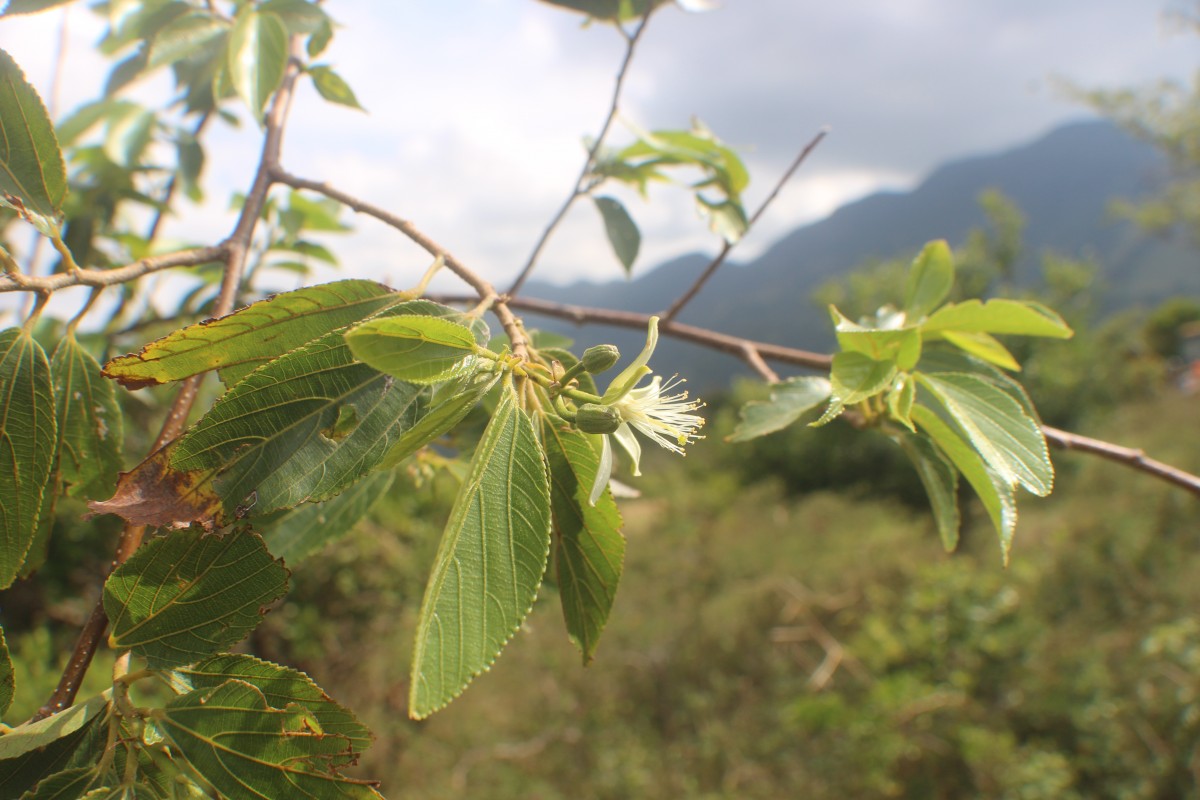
156	495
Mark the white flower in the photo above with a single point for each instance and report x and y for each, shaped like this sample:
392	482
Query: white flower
664	418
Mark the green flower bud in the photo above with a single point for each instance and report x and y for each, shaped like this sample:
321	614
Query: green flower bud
599	358
595	418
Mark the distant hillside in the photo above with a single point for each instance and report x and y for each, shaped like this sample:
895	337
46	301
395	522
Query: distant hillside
1063	182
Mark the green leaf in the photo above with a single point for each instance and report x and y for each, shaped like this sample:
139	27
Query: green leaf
1007	438
184	596
15	7
900	400
902	345
237	344
449	406
999	499
930	280
790	400
489	564
236	742
31	165
414	348
281	687
726	218
855	377
1018	317
623	233
333	87
70	784
197	32
28	753
300	16
319	40
610	10
982	345
257	56
940	480
589	550
27	440
7	677
90	422
306	530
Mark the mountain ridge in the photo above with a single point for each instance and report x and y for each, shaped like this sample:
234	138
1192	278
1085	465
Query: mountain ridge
1063	182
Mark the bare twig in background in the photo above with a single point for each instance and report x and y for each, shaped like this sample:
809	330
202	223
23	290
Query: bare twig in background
716	263
581	183
17	282
756	354
485	291
1130	457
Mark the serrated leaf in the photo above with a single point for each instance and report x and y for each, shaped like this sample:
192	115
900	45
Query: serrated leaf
191	34
7	677
622	231
930	280
940	479
414	348
855	377
902	345
943	360
900	400
27	440
185	596
790	400
306	530
982	345
1017	317
300	16
333	87
489	564
237	743
257	56
90	423
999	498
30	752
154	494
281	687
449	406
299	429
1007	438
31	165
70	784
589	550
235	345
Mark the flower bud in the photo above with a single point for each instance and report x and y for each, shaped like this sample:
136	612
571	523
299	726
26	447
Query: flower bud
595	418
599	358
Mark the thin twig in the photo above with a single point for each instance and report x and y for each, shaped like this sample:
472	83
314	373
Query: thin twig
716	263
485	291
16	282
734	345
581	183
1129	456
756	354
233	250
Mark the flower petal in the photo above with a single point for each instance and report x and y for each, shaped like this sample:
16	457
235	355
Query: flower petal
625	438
631	375
603	472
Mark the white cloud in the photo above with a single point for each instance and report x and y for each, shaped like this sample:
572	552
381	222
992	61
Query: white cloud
477	109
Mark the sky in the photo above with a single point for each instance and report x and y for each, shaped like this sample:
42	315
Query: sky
477	110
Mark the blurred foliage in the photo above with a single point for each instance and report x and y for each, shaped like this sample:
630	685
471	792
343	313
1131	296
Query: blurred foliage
767	645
